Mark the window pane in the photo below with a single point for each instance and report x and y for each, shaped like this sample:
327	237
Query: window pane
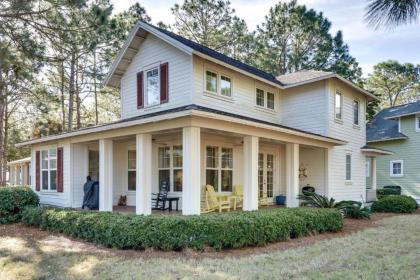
227	180
225	86
164	177
338	114
132	160
164	157
212	157
94	165
211	178
211	81
261	175
177	156
44	159
53	163
227	158
260	97
356	112
348	167
270	100
131	180
53	180
396	168
53	153
178	180
45	180
152	87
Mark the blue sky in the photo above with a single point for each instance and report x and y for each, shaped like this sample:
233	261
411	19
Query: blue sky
367	45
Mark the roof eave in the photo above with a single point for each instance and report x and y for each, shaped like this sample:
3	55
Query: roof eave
401	115
387	139
377	151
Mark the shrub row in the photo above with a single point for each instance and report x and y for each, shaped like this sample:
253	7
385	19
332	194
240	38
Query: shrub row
12	202
384	192
395	204
225	230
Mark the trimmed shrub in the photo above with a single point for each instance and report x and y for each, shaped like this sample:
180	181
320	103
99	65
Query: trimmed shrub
220	230
384	192
395	204
12	202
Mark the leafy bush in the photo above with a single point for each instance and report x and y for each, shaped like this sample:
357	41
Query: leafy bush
221	230
353	209
13	200
349	208
395	204
384	192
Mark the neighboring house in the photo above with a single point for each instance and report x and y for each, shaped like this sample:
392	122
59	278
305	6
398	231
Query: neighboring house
19	172
192	116
398	129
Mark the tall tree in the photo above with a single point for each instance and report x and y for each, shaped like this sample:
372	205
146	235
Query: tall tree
213	24
293	38
395	83
390	13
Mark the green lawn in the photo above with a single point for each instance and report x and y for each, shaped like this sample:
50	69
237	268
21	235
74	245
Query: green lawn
389	251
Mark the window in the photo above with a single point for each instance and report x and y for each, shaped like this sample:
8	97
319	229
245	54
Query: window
418	123
170	167
348	167
49	170
338	106
152	95
397	168
356	112
211	82
131	170
219	168
94	165
367	168
270	100
260	97
225	86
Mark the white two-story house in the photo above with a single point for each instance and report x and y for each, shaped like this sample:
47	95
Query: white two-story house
192	116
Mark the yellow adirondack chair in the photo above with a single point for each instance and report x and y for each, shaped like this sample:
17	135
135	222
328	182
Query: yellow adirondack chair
215	201
238	192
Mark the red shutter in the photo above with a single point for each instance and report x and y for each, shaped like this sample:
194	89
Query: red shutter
140	90
37	171
59	169
164	75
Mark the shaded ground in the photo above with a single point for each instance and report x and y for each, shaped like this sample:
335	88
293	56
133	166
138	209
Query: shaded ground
385	247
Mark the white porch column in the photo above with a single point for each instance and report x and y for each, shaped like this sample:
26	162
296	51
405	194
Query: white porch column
373	170
292	174
24	174
11	174
143	174
105	174
250	157
191	176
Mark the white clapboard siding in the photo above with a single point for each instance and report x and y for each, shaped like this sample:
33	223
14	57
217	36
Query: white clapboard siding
154	51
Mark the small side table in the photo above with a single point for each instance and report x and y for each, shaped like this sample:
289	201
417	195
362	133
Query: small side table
170	200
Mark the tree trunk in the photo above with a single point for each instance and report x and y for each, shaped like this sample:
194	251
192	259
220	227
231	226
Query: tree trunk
5	139
77	92
94	87
63	112
71	92
2	148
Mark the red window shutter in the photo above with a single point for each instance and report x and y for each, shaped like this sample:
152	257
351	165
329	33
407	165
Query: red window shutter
59	169
37	171
140	90
164	82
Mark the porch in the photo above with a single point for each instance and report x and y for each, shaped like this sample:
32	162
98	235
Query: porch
187	159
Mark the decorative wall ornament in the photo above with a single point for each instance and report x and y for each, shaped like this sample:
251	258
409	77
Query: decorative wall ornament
303	172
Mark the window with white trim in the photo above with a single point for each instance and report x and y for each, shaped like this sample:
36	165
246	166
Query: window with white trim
396	168
152	96
348	167
49	170
131	175
367	168
270	100
225	86
170	167
264	98
219	168
218	84
356	112
211	81
338	108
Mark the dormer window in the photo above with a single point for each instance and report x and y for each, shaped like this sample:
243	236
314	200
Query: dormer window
152	95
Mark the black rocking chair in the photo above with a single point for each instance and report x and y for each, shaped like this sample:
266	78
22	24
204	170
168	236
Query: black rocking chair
159	199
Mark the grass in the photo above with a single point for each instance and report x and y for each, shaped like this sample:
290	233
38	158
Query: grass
389	251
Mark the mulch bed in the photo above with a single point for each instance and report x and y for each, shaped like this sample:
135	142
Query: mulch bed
350	226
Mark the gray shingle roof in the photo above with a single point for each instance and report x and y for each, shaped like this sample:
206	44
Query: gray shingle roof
302	76
403	110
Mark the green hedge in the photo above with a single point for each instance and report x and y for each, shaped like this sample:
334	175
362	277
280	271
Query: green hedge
384	192
395	204
225	230
12	202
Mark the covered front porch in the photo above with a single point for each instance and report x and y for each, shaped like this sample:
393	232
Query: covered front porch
263	163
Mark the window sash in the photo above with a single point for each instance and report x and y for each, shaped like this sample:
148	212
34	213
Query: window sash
356	109
260	100
225	86
170	167
348	167
397	168
152	95
48	171
219	168
211	81
338	106
270	100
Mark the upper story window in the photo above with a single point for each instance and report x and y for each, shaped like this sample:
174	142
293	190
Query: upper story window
264	98
225	86
356	112
152	96
338	113
418	123
218	84
49	170
396	168
348	167
211	82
